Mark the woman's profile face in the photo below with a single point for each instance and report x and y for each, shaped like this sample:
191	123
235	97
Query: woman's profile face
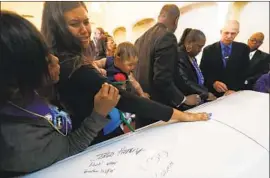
197	47
78	24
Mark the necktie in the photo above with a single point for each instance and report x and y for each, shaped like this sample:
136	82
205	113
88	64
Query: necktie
198	72
226	54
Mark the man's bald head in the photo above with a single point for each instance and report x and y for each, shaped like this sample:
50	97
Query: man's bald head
255	41
229	31
169	16
231	24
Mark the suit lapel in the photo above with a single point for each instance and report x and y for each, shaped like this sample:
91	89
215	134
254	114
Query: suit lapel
219	56
192	70
233	53
256	58
189	65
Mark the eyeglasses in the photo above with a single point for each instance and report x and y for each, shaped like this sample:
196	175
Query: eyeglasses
255	40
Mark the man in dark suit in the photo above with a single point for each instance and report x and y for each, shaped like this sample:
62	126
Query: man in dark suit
224	64
259	60
155	71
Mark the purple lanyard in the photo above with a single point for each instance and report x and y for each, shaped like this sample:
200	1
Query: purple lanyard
60	120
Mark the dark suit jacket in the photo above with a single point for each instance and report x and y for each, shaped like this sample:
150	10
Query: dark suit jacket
259	65
156	70
100	49
187	80
233	75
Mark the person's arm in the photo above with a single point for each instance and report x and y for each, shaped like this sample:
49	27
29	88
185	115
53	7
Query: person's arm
136	85
100	66
42	144
106	99
263	84
165	58
48	144
184	82
89	79
81	138
100	63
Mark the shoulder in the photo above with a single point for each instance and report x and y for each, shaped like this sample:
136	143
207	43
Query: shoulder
147	35
266	76
263	79
157	30
22	125
18	137
182	54
264	54
87	71
166	40
68	64
85	75
211	47
240	45
67	61
169	36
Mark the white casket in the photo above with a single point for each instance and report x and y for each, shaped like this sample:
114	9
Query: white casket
233	144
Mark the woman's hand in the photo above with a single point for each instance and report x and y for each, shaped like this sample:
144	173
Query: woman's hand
196	117
106	99
229	92
192	100
189	117
211	97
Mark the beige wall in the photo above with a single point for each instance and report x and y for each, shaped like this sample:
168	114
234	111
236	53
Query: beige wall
253	17
127	14
205	19
26	8
140	27
120	35
35	9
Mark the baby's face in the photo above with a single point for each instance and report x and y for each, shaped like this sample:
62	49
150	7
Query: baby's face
127	66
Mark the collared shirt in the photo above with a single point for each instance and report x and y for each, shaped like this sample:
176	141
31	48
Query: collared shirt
223	46
226	52
251	54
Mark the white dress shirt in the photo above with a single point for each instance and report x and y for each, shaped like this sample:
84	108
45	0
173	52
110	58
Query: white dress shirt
251	54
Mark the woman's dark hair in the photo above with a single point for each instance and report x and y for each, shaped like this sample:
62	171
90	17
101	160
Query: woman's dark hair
183	37
23	62
191	35
55	30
